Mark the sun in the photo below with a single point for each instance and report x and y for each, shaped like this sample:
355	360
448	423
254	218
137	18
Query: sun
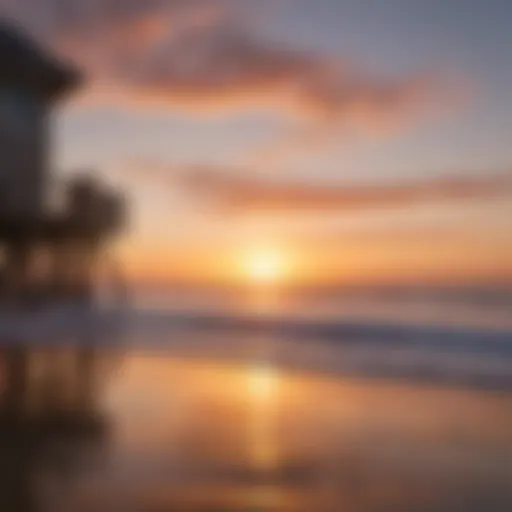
265	266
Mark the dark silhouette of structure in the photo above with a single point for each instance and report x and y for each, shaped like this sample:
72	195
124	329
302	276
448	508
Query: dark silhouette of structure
49	419
47	256
47	250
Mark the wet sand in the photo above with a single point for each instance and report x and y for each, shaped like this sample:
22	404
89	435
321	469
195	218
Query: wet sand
185	434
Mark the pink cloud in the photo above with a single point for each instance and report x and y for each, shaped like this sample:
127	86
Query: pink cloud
197	55
242	194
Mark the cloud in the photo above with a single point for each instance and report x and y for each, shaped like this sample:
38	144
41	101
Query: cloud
199	56
223	69
236	191
232	193
108	36
204	57
86	18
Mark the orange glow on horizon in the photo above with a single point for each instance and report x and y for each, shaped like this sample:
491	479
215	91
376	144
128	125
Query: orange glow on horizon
367	262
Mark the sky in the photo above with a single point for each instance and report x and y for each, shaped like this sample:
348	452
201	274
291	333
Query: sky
357	141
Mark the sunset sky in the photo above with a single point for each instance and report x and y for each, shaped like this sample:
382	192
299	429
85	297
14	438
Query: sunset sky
360	141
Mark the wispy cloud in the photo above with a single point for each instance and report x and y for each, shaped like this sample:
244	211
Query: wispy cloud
197	55
206	57
235	191
222	68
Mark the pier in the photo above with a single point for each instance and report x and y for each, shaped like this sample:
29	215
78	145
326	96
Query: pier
48	254
48	247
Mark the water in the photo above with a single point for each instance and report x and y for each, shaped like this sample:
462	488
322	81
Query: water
204	409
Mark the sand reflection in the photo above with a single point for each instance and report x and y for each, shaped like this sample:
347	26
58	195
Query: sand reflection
188	434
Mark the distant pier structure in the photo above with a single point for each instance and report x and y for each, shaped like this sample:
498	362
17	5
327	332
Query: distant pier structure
47	250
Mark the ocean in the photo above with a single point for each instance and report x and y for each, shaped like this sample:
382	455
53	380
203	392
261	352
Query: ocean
457	338
235	402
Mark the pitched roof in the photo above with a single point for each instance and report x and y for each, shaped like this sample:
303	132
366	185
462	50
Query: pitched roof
25	64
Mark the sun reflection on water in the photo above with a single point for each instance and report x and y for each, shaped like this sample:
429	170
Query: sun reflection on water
263	384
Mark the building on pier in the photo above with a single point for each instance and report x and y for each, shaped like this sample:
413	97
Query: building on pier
47	256
46	252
